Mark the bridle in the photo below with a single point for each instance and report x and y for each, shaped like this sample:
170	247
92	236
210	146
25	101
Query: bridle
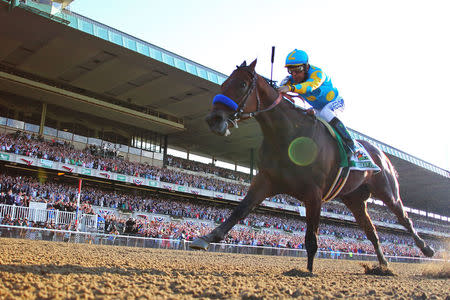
234	118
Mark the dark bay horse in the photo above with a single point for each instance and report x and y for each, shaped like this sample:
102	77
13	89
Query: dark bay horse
281	123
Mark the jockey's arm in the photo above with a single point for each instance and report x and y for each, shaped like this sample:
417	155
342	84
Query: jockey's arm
312	83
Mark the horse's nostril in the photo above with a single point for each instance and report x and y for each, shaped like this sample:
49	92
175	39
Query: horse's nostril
211	120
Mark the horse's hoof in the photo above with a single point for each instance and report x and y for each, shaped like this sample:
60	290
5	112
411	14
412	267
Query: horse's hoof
428	251
199	244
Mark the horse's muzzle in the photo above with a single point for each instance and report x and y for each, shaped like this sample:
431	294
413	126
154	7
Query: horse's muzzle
217	122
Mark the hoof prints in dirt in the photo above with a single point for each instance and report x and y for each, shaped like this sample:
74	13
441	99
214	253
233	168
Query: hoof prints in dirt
298	273
377	270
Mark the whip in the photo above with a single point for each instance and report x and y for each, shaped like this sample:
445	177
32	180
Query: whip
271	68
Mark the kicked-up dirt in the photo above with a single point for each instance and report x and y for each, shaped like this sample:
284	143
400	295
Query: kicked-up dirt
44	270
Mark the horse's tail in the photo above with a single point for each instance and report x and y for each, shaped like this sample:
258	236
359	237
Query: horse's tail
391	166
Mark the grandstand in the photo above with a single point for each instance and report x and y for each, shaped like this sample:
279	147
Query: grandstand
79	99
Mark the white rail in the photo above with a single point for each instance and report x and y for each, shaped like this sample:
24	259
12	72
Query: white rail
57	217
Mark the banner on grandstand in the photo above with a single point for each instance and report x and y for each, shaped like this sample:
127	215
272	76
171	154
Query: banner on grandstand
168	186
160	218
138	181
46	163
4	156
27	161
69	169
196	191
153	183
121	177
219	195
105	175
103	211
86	171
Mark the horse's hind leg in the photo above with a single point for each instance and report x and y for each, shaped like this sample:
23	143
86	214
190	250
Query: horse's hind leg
356	202
385	187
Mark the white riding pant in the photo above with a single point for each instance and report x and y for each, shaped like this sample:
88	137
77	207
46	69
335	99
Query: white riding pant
329	111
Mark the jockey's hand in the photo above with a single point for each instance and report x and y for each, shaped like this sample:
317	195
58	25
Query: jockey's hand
283	89
285	80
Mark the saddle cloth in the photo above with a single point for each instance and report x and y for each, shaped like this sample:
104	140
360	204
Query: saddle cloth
360	160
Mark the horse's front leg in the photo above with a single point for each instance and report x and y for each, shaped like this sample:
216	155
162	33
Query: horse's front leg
260	188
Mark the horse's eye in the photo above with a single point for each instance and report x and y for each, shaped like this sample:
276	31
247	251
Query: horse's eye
243	84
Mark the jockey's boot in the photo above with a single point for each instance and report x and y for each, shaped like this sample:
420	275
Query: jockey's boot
348	141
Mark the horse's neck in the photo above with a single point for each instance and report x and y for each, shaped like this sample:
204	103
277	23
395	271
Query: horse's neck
283	120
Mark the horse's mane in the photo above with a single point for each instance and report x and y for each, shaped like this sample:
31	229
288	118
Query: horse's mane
272	83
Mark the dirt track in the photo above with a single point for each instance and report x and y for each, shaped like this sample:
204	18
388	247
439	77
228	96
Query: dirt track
37	269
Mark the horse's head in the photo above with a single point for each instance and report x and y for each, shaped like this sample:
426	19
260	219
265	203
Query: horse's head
237	100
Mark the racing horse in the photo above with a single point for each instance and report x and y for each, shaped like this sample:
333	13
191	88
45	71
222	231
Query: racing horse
244	95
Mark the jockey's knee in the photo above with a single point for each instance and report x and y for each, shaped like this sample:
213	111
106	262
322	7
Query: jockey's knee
326	114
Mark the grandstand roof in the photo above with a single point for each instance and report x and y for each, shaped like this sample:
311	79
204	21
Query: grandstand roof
82	65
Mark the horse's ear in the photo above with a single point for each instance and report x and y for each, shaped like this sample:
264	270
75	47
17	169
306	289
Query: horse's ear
253	64
244	64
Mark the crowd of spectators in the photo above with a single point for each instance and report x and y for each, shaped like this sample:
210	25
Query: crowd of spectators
276	229
31	145
99	158
103	159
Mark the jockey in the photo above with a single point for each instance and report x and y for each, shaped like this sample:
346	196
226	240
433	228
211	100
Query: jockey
315	87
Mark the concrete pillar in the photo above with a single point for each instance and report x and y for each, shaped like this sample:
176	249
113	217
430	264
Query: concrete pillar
165	150
43	115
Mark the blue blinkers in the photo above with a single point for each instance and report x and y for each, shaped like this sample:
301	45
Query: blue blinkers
219	98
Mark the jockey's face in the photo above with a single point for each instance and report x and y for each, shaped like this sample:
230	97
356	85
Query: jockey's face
298	73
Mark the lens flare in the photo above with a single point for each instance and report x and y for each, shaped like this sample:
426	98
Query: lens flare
302	151
42	177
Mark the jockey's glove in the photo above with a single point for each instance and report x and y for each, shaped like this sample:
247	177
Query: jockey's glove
285	80
284	89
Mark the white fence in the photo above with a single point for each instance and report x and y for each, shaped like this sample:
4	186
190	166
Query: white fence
57	217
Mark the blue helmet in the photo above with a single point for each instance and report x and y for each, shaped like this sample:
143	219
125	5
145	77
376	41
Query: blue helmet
296	58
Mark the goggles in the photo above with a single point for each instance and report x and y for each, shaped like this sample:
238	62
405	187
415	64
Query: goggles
297	69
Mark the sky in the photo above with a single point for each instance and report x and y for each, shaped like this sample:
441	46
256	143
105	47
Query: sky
390	59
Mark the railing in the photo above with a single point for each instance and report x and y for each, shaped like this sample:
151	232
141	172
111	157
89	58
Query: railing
57	217
175	244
